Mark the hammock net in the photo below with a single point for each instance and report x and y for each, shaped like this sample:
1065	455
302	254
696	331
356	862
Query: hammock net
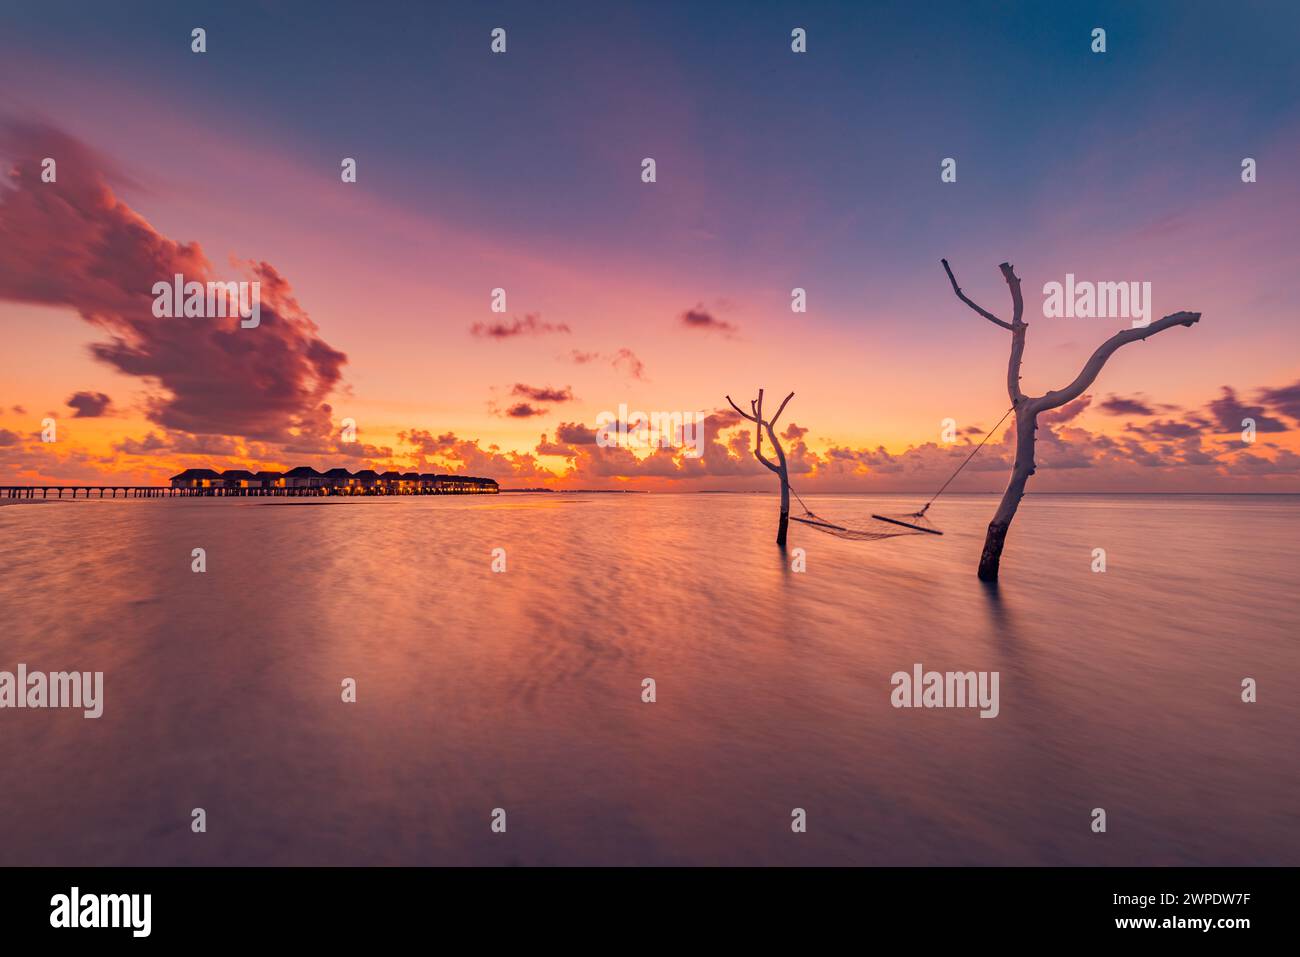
881	526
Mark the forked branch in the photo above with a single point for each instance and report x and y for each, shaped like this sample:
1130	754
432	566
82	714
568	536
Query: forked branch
756	416
1092	367
966	299
1016	326
743	415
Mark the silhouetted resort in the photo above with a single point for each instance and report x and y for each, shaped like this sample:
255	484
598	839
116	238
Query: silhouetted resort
301	481
305	480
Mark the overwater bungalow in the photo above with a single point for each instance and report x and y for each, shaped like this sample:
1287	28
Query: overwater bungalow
340	479
196	478
304	476
269	479
237	478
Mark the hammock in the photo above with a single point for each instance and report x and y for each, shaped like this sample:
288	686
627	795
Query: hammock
892	526
908	523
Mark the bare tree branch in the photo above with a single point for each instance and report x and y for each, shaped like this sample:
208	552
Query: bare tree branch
963	297
1104	351
742	414
758	443
772	421
780	457
1017	333
754	417
1017	301
1016	325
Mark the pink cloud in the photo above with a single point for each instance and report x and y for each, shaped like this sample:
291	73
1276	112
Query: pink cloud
700	318
73	243
530	325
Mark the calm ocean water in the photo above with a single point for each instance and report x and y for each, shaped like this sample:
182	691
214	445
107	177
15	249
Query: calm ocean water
522	690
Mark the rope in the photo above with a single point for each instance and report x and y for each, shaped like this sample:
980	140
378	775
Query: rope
987	435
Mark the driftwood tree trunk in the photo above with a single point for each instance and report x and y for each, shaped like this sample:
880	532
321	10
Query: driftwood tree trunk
755	415
1027	408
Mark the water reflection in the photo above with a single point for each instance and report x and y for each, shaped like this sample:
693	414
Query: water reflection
522	690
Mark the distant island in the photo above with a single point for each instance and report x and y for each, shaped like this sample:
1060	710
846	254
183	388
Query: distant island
578	491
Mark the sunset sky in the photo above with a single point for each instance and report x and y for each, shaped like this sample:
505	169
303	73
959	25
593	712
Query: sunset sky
523	171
